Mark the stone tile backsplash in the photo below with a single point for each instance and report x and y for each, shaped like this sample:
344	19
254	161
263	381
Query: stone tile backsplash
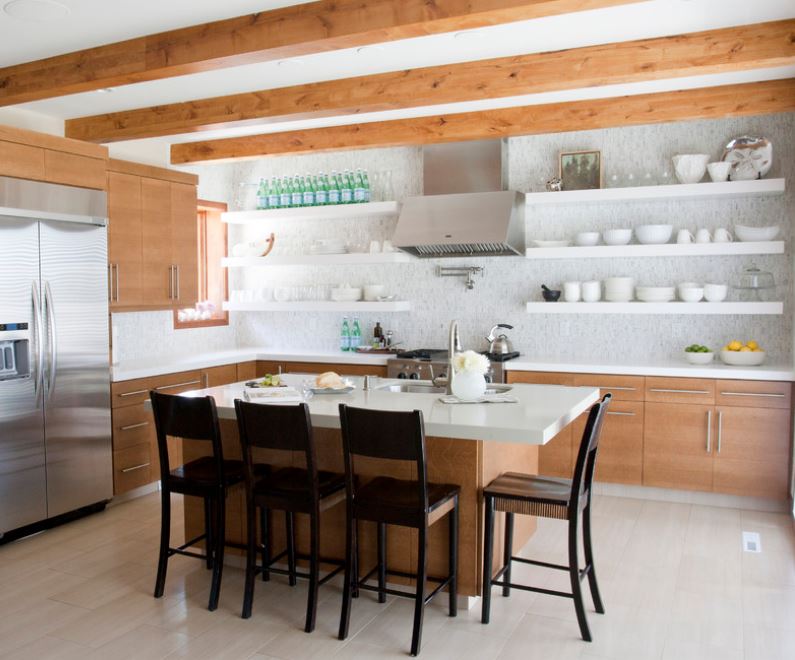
508	282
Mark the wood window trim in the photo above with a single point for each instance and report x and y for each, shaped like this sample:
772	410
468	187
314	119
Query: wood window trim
203	207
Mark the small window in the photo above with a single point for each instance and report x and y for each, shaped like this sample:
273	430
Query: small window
213	288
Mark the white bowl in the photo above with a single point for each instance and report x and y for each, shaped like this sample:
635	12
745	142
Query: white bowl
586	238
346	295
655	293
617	236
699	358
374	291
619	289
743	359
690	168
690	292
654	234
750	234
715	292
719	171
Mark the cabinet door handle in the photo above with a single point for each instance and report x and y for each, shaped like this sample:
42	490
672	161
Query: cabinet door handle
171	282
765	394
720	428
116	269
709	431
669	391
134	393
176	275
171	387
110	282
135	467
621	414
616	388
130	427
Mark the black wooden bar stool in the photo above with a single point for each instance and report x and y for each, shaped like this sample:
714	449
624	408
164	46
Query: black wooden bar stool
209	477
548	497
386	501
290	489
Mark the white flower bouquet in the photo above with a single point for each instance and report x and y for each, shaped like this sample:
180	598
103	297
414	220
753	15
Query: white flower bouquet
470	362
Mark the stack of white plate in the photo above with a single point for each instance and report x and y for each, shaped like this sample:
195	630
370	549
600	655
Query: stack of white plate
328	246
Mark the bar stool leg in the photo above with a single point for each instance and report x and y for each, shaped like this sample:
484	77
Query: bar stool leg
165	541
355	585
381	562
350	576
574	575
488	549
289	520
419	602
265	535
453	559
218	556
314	553
507	552
251	557
586	533
208	531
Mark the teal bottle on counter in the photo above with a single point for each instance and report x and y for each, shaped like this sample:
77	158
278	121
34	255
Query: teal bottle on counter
321	189
274	199
345	335
356	335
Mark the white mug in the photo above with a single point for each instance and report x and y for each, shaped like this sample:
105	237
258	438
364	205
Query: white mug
722	236
702	236
684	236
591	291
571	291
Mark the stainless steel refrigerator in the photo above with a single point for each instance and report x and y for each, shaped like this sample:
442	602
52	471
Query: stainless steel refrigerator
55	430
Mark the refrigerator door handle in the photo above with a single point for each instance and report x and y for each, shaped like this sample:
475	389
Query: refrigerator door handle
39	348
52	339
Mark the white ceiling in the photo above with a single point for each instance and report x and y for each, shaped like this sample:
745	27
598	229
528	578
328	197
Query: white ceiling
648	19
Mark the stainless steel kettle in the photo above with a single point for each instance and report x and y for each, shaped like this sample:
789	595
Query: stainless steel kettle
500	345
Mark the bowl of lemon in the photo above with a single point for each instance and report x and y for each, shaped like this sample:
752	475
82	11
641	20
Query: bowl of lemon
738	354
698	354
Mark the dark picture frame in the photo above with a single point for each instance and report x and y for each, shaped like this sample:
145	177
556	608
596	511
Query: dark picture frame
581	170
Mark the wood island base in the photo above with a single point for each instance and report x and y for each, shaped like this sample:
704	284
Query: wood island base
471	464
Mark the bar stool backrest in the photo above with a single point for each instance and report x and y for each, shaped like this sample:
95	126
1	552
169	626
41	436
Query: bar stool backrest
286	428
586	456
192	418
383	434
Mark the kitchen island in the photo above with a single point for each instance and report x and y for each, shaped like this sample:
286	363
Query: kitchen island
467	444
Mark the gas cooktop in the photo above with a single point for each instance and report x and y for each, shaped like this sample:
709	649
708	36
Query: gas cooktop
440	355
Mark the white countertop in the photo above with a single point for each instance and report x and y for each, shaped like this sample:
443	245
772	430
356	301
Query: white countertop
676	368
541	412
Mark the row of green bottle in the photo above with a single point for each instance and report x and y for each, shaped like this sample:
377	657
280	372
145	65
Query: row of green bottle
350	335
314	190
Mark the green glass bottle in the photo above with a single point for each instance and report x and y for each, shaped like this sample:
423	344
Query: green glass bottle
358	188
262	195
366	181
309	190
334	189
284	194
297	193
356	335
274	199
345	335
346	188
321	190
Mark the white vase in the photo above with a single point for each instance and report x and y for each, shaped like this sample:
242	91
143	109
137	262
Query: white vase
469	385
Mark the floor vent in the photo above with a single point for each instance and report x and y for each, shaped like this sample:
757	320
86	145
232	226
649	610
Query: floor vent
752	542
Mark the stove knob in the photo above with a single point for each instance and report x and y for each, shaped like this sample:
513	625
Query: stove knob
414	375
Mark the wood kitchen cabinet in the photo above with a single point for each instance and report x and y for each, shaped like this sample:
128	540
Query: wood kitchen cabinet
153	239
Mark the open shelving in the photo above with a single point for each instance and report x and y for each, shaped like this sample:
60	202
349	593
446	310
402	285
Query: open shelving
664	250
350	259
724	189
332	212
318	306
761	308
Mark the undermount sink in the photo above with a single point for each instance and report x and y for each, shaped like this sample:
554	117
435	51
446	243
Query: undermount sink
428	388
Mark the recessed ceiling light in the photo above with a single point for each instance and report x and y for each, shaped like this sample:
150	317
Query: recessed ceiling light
37	11
291	62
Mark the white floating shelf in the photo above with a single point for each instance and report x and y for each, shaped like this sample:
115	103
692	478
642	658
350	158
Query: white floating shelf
656	308
352	259
318	306
666	250
334	212
725	189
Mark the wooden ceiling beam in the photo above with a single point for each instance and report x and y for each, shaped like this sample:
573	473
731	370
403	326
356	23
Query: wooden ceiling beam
715	51
703	103
287	32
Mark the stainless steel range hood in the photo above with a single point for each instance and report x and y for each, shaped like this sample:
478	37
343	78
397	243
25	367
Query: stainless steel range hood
466	211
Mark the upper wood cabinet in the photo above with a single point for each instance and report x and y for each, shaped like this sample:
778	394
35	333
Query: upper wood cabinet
153	240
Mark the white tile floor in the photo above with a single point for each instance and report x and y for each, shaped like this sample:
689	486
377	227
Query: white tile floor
674	578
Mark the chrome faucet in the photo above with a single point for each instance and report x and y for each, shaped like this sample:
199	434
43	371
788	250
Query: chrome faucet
453	347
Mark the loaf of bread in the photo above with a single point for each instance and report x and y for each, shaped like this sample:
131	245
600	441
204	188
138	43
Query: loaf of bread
330	379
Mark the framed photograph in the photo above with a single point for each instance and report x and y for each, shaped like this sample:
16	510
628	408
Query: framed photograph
581	170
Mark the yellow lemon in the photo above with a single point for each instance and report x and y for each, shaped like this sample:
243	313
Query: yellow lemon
745	349
752	344
758	350
726	348
735	345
